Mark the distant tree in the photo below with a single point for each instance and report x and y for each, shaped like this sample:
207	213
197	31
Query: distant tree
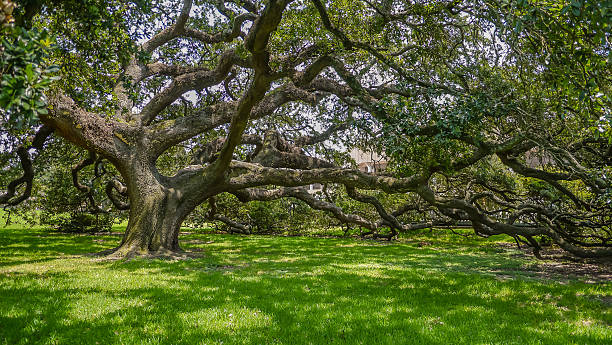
260	98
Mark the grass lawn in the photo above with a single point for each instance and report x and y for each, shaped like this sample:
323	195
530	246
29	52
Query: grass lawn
292	290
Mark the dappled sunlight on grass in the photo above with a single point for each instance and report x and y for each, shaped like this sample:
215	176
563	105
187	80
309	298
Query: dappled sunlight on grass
288	290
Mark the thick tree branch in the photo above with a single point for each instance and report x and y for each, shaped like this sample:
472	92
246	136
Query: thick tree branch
187	82
26	178
116	185
233	225
219	37
170	32
322	136
245	175
256	42
210	152
88	130
278	153
168	133
300	193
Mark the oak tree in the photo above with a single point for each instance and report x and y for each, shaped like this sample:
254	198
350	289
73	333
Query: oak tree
491	113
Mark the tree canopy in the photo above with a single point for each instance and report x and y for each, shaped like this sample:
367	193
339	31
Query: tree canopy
491	113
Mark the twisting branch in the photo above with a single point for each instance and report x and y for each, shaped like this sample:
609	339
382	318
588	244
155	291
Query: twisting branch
550	177
86	190
256	42
350	45
170	132
37	143
210	151
186	78
300	193
116	185
197	80
233	225
135	71
219	37
170	32
278	153
387	219
91	159
250	194
331	27
321	137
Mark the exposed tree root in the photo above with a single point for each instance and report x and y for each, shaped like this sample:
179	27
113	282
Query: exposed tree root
128	254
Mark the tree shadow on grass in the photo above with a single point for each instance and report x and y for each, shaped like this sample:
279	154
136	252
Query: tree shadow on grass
26	246
261	290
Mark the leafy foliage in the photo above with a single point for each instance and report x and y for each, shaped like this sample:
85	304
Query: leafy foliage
25	76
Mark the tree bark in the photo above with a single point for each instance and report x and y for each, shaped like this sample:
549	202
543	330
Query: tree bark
156	213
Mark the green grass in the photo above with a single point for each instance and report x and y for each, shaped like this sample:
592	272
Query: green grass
290	290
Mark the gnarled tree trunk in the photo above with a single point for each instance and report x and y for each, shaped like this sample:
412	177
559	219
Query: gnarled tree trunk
156	212
153	225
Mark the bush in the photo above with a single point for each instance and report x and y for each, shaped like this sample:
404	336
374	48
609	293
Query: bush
78	222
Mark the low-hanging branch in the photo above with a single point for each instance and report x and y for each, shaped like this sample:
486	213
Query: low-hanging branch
11	198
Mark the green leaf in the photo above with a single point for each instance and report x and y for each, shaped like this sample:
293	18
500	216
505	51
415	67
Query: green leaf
29	71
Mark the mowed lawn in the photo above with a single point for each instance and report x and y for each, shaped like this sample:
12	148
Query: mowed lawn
433	289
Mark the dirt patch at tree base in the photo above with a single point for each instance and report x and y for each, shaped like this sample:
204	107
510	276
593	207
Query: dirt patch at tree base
557	264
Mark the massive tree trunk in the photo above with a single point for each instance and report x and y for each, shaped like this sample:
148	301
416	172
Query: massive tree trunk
156	211
154	222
